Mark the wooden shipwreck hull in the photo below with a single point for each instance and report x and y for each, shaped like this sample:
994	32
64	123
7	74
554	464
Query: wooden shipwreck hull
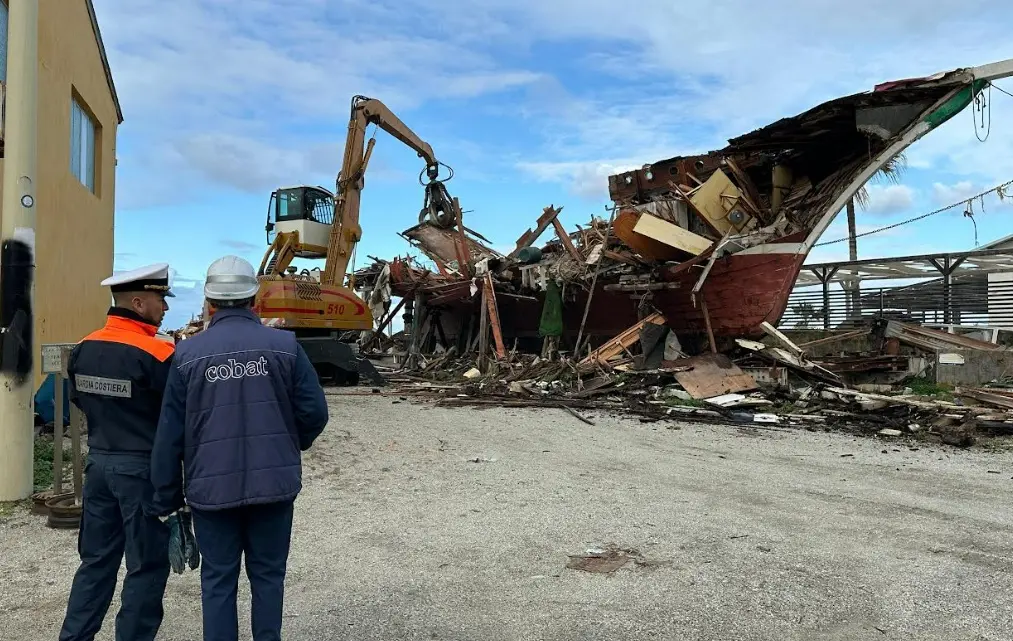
717	238
743	290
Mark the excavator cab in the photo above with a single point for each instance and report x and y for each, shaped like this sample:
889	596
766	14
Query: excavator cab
309	211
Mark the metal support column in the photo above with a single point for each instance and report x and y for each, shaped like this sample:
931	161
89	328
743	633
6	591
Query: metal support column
825	274
948	266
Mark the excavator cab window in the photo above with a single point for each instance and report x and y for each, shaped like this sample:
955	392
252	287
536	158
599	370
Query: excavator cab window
304	203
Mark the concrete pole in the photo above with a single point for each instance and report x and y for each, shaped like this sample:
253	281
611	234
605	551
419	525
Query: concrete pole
18	219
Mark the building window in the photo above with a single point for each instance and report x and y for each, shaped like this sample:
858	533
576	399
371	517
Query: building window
82	145
3	41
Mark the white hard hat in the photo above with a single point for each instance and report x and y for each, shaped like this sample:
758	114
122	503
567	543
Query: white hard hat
231	278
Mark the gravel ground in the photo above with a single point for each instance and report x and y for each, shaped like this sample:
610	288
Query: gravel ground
428	523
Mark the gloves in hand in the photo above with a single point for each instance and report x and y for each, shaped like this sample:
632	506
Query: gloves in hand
190	550
183	549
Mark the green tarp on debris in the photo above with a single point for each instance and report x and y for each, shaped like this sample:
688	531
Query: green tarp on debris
552	312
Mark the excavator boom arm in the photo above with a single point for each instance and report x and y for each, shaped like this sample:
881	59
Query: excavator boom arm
375	112
346	231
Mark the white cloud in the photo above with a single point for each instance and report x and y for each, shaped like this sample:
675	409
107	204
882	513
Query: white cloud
252	165
638	84
676	89
890	199
241	246
256	57
212	90
945	194
948	194
588	180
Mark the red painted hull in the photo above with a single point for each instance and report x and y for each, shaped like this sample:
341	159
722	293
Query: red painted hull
742	291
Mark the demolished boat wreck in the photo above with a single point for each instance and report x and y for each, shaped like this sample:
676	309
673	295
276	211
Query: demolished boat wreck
713	242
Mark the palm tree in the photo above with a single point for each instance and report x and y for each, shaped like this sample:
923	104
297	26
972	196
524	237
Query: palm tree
891	171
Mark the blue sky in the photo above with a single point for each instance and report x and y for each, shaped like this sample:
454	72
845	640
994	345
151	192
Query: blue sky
531	102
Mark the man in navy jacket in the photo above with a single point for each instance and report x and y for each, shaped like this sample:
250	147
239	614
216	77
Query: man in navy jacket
241	403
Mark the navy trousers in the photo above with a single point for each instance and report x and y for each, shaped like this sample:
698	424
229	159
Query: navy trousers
262	534
116	489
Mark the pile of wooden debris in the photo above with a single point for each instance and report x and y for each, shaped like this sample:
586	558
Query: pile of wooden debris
772	384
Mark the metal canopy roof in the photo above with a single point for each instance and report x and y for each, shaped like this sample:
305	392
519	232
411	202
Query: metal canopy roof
983	261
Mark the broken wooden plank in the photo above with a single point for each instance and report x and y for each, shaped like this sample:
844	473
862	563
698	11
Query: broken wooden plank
996	390
707	323
751	195
687	194
517	296
483	330
641	286
530	236
716	199
671	235
620	343
890	400
858	333
383	325
785	342
577	415
991	398
445	244
595	387
497	330
622	258
461	245
564	238
460	290
791	360
712	375
935	340
625	221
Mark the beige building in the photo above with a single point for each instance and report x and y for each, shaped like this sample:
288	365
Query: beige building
78	113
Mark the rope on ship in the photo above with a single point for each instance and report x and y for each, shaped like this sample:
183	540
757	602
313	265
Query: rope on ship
1000	190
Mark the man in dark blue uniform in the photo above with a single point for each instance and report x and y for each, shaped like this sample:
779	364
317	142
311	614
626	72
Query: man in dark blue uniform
242	402
117	377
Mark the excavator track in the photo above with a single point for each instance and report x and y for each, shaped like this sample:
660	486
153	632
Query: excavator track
337	363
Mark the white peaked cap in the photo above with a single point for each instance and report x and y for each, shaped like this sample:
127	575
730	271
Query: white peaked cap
150	277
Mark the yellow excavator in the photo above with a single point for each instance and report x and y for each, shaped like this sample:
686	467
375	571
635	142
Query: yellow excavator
312	223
